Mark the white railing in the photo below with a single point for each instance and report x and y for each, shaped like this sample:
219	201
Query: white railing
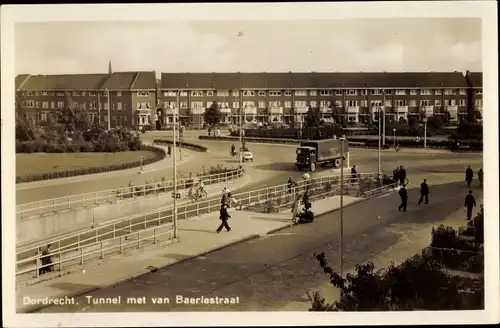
113	237
113	195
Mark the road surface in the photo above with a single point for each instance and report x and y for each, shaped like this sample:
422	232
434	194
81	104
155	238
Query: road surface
270	273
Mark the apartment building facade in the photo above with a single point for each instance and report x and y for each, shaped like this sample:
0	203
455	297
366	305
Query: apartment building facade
286	97
475	93
131	103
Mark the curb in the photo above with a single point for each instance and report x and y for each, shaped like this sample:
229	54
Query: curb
34	308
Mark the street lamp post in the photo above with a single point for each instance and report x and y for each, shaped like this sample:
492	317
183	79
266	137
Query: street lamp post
109	110
175	163
394	137
425	132
342	139
241	128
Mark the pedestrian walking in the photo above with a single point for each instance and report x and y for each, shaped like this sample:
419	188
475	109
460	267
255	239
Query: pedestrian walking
469	175
403	194
47	259
291	184
402	175
224	216
169	150
395	174
469	204
480	177
354	174
424	192
305	201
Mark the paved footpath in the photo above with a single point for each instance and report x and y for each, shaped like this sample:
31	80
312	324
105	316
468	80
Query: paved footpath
197	237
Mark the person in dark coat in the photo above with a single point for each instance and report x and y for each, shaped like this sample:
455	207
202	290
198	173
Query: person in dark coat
224	216
480	176
354	174
305	201
424	192
47	260
395	174
469	204
403	194
469	175
169	150
402	175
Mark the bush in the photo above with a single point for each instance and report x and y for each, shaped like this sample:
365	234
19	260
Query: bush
418	283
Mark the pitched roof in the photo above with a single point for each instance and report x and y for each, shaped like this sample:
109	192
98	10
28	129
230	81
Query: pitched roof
65	82
20	79
119	81
476	79
145	80
312	80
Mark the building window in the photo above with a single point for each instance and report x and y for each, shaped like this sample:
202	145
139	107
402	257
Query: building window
262	93
236	104
388	103
52	104
313	92
300	104
197	93
82	105
45	93
184	104
478	102
438	92
288	93
76	93
325	104
222	93
119	106
118	93
376	92
413	92
169	93
325	92
236	93
479	91
375	103
300	92
29	93
461	102
338	103
338	92
400	103
37	104
248	93
450	102
36	94
274	104
30	104
437	103
248	104
262	104
364	92
313	104
364	103
275	93
388	92
400	92
210	93
52	93
93	105
197	104
462	92
83	93
105	106
413	103
143	94
449	92
60	104
351	92
288	104
351	103
92	93
425	103
183	94
425	92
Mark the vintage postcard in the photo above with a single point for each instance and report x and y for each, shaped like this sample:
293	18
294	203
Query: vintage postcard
250	164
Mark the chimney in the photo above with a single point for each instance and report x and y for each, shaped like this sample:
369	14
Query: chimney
110	71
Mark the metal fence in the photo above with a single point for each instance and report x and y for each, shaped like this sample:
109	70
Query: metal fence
113	195
138	230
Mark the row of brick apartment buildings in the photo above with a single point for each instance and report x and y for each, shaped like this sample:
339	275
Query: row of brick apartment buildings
137	98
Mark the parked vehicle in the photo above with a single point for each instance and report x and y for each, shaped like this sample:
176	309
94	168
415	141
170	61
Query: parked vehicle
247	155
323	152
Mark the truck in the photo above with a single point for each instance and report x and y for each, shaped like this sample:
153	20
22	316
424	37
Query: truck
322	152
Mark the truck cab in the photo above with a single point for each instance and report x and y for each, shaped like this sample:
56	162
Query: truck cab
306	158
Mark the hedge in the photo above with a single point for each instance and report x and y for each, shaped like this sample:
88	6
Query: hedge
159	155
454	145
181	144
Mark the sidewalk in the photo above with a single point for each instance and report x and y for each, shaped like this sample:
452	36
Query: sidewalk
197	237
413	239
167	162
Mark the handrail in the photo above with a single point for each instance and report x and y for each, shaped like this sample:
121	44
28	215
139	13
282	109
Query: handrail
110	195
78	241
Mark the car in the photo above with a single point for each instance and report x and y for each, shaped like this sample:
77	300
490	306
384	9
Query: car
247	155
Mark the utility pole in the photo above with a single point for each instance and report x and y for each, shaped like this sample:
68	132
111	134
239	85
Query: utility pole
240	105
379	143
109	109
342	139
175	164
98	109
383	120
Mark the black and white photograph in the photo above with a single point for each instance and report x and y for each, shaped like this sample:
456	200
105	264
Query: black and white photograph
250	164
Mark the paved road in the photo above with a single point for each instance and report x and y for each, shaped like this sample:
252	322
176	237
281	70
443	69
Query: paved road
269	273
273	165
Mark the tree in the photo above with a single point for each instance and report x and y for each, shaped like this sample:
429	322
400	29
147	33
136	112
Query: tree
313	117
435	122
212	115
336	114
410	286
412	122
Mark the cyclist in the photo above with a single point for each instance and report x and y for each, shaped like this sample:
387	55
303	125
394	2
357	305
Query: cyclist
201	189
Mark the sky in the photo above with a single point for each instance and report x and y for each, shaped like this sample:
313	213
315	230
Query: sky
344	45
